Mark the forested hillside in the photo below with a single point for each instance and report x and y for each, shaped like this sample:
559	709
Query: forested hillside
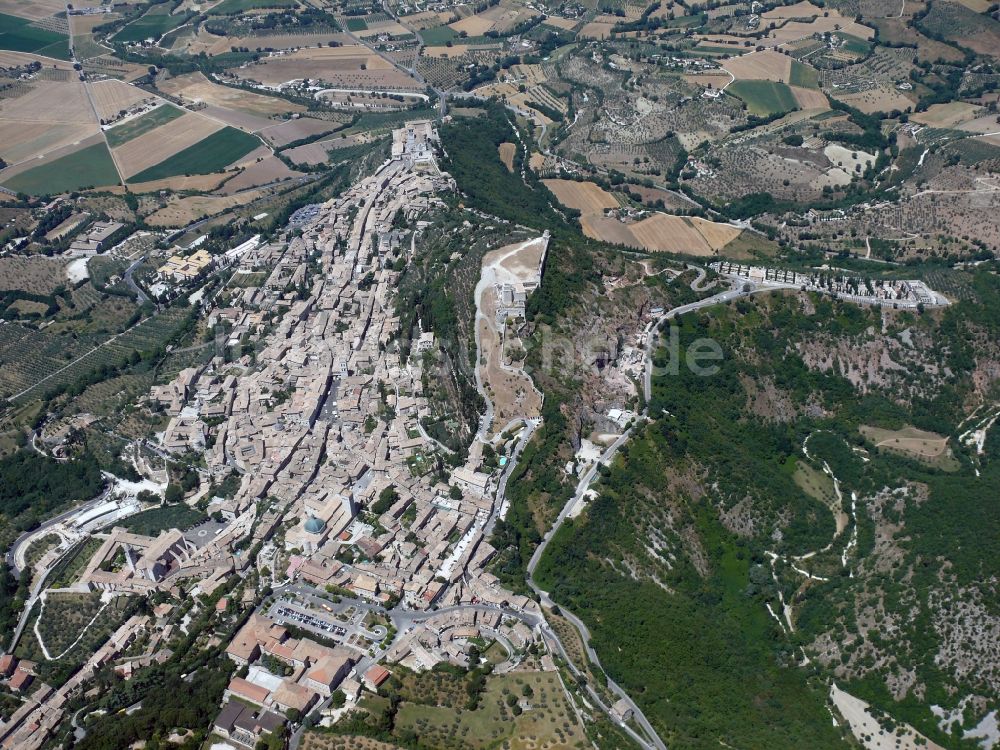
727	578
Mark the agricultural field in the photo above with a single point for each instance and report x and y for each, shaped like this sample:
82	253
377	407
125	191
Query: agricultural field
585	197
180	211
761	66
195	88
318	740
22	35
71	565
35	10
283	133
977	31
927	447
764	98
507	152
268	170
111	98
235	7
90	166
49	115
65	617
35	275
520	710
77	623
161	141
663	233
334	64
134	127
322	151
803	75
35	363
151	25
881	99
210	154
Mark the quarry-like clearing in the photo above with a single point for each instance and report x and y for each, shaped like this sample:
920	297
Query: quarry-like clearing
509	388
507	151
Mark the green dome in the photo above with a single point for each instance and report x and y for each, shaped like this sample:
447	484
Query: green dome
314	525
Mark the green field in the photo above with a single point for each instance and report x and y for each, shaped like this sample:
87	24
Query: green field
19	35
804	75
356	24
88	167
143	124
153	24
152	522
233	7
764	97
213	154
855	45
439	35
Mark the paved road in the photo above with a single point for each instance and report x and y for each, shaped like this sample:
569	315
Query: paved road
587	480
14	552
529	429
582	487
411	71
652	740
739	290
141	296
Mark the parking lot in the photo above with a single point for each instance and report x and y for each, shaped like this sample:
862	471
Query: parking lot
283	614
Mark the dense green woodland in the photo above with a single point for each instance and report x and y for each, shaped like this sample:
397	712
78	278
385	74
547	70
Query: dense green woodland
32	482
690	638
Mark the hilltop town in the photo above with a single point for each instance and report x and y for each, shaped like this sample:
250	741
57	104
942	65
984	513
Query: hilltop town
507	375
336	492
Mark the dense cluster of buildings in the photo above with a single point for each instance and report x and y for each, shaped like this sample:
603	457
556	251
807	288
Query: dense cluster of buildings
901	293
326	417
183	269
31	725
259	702
316	411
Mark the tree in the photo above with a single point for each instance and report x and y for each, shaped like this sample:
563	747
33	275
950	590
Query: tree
173	494
386	499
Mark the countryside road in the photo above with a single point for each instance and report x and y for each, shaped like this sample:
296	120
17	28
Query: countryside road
571	506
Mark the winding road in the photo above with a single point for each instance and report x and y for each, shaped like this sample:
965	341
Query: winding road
572	505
